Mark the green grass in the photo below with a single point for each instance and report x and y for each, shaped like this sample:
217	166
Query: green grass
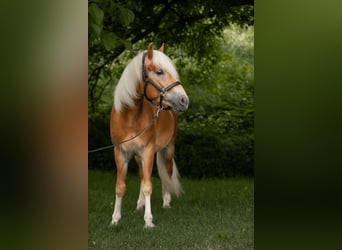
211	214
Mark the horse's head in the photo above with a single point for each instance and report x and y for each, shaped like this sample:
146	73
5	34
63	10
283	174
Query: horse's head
161	85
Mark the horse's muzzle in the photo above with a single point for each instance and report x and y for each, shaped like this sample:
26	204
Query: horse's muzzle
178	100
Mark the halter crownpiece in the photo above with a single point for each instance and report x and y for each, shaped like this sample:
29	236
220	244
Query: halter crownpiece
162	91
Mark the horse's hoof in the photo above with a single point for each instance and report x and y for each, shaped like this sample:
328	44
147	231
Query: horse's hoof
149	225
112	224
115	221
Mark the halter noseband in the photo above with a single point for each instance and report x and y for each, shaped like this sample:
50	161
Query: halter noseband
162	91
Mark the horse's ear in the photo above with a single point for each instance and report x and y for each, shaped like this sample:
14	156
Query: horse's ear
161	49
150	51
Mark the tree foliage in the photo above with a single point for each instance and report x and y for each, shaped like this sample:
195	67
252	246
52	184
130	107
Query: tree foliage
189	25
215	63
116	25
216	134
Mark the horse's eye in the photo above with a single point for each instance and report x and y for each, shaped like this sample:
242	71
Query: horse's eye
159	72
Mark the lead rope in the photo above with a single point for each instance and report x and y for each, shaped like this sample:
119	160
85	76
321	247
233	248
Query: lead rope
132	138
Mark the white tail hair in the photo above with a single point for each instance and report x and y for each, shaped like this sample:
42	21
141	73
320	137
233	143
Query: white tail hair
171	184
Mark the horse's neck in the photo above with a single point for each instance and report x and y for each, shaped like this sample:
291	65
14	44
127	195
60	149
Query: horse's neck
139	114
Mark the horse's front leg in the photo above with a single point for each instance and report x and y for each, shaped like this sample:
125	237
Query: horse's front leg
121	167
146	183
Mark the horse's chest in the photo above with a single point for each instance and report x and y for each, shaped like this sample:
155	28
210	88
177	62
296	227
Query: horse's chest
164	136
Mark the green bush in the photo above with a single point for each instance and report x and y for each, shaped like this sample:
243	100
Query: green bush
202	155
216	133
99	136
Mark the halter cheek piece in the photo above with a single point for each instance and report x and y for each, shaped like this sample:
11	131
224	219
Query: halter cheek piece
162	91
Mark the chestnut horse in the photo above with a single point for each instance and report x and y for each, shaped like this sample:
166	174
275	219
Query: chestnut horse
144	117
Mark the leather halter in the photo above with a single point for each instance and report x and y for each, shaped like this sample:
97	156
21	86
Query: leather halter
162	91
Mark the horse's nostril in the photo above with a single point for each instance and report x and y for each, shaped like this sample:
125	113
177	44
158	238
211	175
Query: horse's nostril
183	101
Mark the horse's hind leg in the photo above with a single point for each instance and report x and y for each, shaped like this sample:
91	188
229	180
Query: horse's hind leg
121	167
141	199
168	174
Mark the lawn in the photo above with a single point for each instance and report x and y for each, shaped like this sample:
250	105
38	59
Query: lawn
211	214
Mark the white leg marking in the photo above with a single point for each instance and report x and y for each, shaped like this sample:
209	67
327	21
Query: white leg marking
148	214
117	211
141	200
166	200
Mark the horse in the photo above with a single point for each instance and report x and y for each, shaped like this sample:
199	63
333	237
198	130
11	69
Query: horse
147	99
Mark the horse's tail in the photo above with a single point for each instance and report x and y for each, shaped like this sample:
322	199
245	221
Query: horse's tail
172	183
